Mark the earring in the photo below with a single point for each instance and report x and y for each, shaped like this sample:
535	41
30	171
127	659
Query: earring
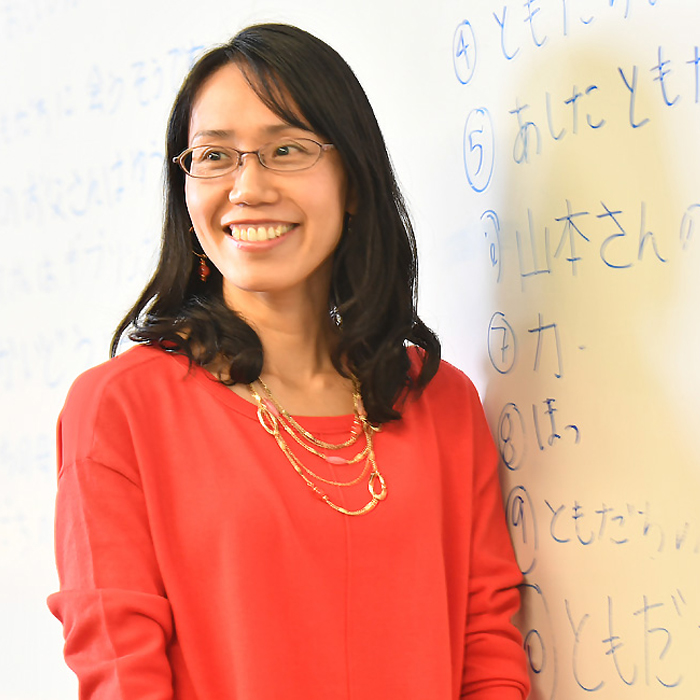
336	318
203	267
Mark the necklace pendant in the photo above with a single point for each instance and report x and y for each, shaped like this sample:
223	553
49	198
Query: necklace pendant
381	494
268	421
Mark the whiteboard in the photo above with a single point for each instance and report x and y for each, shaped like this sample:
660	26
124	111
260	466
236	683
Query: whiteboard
550	154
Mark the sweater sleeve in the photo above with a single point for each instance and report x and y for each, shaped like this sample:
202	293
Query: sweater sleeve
117	621
494	661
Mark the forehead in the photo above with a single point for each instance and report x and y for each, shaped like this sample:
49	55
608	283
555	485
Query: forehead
226	102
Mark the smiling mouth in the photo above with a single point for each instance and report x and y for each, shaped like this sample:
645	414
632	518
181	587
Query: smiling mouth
259	233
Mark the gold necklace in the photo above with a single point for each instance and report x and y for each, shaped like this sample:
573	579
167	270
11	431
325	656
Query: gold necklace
358	409
272	415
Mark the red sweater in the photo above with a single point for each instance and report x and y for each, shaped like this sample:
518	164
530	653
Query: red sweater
196	564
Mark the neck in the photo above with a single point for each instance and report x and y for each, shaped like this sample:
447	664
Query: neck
297	339
296	350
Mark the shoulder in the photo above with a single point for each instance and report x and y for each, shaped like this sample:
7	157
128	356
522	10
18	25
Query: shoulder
450	403
448	418
110	404
133	369
117	394
449	383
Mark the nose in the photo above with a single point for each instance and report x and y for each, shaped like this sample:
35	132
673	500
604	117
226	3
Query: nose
251	182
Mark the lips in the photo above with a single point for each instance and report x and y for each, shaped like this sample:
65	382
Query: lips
249	232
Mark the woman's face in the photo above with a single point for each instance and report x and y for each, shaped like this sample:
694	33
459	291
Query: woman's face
304	209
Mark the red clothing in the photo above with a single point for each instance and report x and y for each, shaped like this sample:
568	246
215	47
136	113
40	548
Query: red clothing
196	564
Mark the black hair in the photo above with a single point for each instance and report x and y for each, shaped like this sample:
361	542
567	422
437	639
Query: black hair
374	280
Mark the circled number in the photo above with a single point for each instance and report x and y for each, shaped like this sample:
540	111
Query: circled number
464	52
479	149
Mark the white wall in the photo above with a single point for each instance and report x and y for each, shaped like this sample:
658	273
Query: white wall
581	336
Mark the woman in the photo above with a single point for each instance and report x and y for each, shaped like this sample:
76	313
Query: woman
281	491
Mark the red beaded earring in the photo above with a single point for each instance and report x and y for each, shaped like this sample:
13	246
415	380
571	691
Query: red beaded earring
203	267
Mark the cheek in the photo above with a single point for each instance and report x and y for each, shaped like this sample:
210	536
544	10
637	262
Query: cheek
201	203
191	200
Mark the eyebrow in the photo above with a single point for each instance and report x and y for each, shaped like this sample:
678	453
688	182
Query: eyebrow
228	133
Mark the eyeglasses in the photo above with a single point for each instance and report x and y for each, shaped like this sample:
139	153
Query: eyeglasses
283	155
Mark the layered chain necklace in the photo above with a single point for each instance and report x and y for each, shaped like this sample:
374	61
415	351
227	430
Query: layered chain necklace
276	421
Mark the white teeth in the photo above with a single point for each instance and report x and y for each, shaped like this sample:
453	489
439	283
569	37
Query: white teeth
259	233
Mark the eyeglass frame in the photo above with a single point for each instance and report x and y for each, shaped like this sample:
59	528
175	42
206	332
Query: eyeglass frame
179	159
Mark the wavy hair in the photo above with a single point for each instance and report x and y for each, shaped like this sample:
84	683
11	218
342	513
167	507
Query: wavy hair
374	281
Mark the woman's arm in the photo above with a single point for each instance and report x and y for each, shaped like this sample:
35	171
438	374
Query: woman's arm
117	622
494	659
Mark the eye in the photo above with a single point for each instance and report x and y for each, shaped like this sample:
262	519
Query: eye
290	154
210	161
285	149
211	155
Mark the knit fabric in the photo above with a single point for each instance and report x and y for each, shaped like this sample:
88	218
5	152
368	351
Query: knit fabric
195	563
